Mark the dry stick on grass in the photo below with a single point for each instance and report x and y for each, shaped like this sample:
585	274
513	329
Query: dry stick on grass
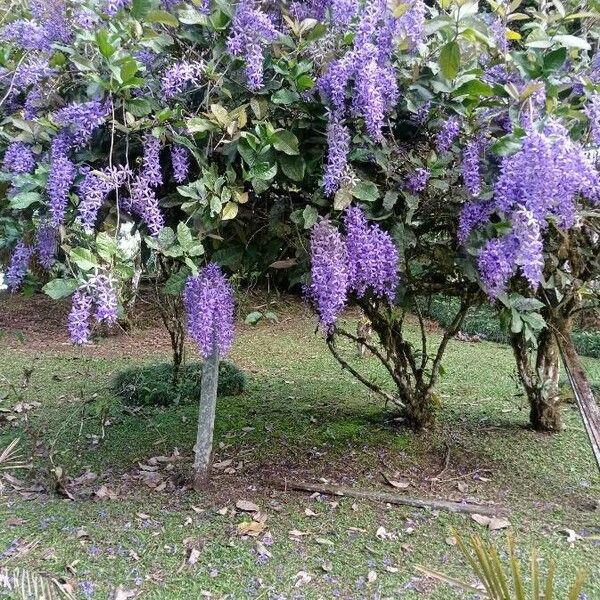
377	496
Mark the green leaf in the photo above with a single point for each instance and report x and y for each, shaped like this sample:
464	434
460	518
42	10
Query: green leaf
105	47
184	236
555	59
140	8
128	69
366	191
264	171
253	318
286	141
450	60
285	97
310	215
304	82
342	199
293	167
230	211
190	16
166	237
25	199
84	259
474	88
60	288
106	246
163	17
175	285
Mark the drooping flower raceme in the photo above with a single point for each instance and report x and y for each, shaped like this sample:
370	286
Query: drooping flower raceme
19	263
447	134
144	202
151	164
60	178
417	181
18	158
328	289
81	120
251	31
78	322
471	165
105	298
180	160
179	77
338	141
544	179
46	240
209	303
372	257
94	189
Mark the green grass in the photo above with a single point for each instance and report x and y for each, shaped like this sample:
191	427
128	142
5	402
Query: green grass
299	417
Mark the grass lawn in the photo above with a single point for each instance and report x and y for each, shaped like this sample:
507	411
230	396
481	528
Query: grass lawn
134	526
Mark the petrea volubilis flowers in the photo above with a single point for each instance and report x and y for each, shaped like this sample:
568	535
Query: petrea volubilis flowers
417	181
151	163
328	289
471	165
447	134
180	160
338	141
18	159
372	257
251	31
60	178
46	240
209	303
81	120
105	298
78	322
19	263
179	77
112	7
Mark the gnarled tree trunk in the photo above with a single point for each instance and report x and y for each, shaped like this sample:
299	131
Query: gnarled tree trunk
540	379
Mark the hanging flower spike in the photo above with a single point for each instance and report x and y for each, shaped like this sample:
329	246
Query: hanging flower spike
18	159
79	317
328	289
417	181
60	177
46	240
448	133
105	297
151	163
372	257
180	160
19	263
251	31
209	304
592	112
179	77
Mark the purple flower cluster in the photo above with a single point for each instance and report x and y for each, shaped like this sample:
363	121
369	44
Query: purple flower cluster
338	141
417	181
105	298
251	31
369	70
94	189
78	322
112	7
46	240
18	158
592	112
19	263
60	178
364	260
180	160
25	34
81	120
209	303
99	291
372	257
328	289
179	77
543	180
447	134
144	202
31	73
471	164
151	163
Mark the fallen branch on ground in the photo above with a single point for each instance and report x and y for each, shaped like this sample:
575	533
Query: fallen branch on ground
377	496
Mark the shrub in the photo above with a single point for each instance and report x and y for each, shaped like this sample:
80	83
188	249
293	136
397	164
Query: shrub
151	385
